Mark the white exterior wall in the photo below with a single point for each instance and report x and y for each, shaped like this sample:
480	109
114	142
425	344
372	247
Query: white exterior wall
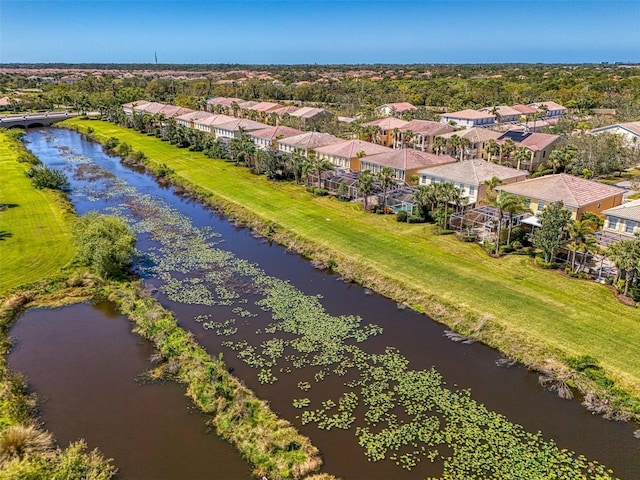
468	191
622	226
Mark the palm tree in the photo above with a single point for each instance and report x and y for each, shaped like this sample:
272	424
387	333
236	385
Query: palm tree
299	165
319	165
397	142
407	138
492	148
505	202
491	184
439	145
452	144
387	179
447	193
522	155
507	148
365	186
625	254
425	196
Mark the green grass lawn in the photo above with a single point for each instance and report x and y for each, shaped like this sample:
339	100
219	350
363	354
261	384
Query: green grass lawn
35	236
522	306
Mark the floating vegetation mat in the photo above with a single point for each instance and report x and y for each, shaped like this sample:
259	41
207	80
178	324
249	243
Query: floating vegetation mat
395	413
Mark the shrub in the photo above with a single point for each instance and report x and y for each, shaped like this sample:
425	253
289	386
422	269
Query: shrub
519	235
321	192
105	244
539	261
516	245
44	177
402	216
415	219
163	170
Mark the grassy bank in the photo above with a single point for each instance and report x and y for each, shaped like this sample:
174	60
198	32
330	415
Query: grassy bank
271	445
534	315
35	225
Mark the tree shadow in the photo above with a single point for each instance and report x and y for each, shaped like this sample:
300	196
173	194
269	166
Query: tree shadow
7	206
4	235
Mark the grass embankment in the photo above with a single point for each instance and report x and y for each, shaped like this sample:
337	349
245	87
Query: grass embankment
536	316
35	225
271	445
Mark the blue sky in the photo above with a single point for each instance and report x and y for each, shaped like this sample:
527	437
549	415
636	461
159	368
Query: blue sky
318	31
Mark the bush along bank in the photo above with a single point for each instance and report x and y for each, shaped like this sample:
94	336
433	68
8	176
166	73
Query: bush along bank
539	355
274	447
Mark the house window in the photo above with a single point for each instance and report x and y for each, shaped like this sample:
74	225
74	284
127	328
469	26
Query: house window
424	179
613	223
472	190
630	226
540	205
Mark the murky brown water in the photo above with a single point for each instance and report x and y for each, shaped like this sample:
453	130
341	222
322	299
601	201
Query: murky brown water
83	362
513	391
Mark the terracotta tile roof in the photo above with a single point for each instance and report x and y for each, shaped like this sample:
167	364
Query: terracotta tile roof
137	103
308	112
473	172
408	159
474	135
427	127
633	127
275	132
226	101
196	115
525	109
247	105
350	148
173	111
310	140
468	114
503	111
150	107
629	211
387	123
238	123
213	120
281	111
550	105
265	106
400	106
572	191
533	141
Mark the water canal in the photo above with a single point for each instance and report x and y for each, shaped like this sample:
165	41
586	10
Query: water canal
236	292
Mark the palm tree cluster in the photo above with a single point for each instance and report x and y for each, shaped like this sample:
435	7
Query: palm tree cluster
436	200
625	254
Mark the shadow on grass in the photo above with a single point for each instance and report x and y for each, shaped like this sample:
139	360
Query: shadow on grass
4	235
7	206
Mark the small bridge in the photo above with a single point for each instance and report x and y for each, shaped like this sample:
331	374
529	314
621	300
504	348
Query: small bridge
34	120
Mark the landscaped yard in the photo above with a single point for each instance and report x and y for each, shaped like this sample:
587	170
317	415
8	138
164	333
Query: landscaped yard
526	311
35	233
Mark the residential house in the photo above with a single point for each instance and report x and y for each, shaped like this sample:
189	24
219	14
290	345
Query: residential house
207	124
623	220
387	129
578	194
223	104
470	177
172	111
346	155
306	142
236	127
150	108
405	162
395	109
503	113
188	119
629	131
128	107
468	118
422	133
553	109
311	115
539	144
478	138
526	111
268	138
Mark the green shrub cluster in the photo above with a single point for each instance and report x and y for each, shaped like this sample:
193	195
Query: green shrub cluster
45	177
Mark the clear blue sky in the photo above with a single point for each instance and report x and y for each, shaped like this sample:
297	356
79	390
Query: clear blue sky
317	31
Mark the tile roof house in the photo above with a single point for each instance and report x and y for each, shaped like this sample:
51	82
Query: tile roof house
468	118
578	194
311	115
623	219
554	110
525	110
629	131
504	113
172	111
395	109
188	119
386	126
539	144
285	110
478	138
406	162
307	141
235	127
268	138
224	101
345	154
423	132
469	176
207	124
265	107
128	107
150	108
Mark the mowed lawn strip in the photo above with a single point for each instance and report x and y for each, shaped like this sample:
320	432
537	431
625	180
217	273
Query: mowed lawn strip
35	234
565	316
